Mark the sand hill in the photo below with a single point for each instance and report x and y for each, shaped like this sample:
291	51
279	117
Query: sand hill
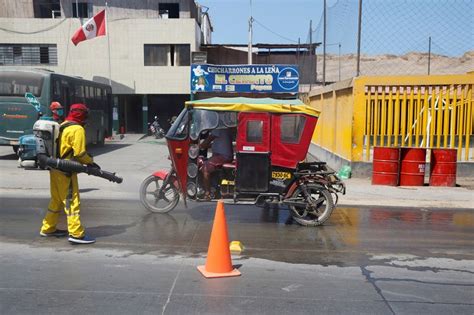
412	63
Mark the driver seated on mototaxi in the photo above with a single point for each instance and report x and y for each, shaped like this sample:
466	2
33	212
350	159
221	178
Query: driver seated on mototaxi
220	142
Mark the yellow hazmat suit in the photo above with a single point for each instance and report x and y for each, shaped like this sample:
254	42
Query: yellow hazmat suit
64	187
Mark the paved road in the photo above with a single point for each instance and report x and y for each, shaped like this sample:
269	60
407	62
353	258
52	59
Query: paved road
364	260
384	261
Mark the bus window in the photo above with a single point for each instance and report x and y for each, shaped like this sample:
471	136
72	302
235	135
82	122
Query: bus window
17	84
56	88
91	101
65	93
4	88
79	93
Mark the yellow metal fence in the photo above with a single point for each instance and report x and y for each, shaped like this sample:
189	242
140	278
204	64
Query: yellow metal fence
438	116
396	111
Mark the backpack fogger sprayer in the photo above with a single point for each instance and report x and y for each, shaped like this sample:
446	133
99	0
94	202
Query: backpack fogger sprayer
47	134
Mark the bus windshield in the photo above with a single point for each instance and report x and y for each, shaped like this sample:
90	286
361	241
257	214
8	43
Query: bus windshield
18	83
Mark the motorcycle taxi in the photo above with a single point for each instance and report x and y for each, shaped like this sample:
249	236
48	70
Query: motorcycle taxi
271	141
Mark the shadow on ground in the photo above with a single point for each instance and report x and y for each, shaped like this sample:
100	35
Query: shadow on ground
97	150
11	156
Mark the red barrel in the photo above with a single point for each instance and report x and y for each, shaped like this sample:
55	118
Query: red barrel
443	167
412	169
385	166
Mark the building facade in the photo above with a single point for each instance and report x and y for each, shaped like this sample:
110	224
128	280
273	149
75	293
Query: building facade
145	56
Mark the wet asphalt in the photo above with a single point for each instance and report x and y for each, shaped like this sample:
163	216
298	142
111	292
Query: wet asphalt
365	260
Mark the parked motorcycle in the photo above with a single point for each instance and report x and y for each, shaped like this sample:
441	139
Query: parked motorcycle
155	129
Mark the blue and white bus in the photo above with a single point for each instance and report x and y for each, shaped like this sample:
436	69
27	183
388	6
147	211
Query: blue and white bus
17	115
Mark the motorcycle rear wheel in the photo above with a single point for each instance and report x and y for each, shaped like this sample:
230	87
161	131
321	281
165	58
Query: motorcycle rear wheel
319	212
151	198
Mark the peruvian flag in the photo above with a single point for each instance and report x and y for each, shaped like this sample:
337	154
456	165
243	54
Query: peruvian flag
92	28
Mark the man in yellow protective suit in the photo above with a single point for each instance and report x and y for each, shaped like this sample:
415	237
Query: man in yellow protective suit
64	186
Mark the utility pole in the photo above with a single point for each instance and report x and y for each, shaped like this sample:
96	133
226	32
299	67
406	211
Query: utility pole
339	62
311	54
359	29
429	55
250	35
298	53
324	44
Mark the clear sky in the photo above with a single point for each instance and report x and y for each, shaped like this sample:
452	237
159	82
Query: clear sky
389	26
288	18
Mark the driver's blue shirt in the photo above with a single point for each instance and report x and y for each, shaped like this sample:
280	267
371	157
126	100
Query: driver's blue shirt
222	145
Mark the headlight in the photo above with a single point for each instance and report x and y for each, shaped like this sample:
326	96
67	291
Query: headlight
191	189
192	170
193	151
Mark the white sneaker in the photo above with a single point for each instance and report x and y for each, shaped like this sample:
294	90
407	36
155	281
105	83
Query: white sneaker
81	240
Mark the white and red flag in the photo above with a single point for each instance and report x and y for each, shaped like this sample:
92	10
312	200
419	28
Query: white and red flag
92	28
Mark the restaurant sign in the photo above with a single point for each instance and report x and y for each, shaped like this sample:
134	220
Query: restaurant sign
244	78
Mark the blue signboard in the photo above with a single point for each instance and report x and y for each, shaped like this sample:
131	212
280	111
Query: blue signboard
245	78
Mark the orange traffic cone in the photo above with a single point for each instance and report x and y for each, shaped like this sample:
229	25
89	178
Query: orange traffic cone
219	262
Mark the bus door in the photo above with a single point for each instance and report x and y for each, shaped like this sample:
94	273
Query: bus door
253	152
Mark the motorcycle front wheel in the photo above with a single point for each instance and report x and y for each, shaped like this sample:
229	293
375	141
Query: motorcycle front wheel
159	134
317	211
156	199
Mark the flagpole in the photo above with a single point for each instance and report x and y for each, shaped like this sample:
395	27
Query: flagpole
115	121
108	41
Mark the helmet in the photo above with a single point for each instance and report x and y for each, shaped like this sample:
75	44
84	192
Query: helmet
58	111
55	105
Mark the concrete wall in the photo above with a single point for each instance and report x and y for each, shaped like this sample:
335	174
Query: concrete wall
119	8
127	36
132	9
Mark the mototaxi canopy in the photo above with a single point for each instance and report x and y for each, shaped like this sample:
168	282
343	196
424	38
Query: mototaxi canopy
246	104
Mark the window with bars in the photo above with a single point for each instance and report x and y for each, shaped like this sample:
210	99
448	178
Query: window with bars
28	54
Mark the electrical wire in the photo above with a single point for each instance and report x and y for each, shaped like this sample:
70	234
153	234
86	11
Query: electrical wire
34	32
274	33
